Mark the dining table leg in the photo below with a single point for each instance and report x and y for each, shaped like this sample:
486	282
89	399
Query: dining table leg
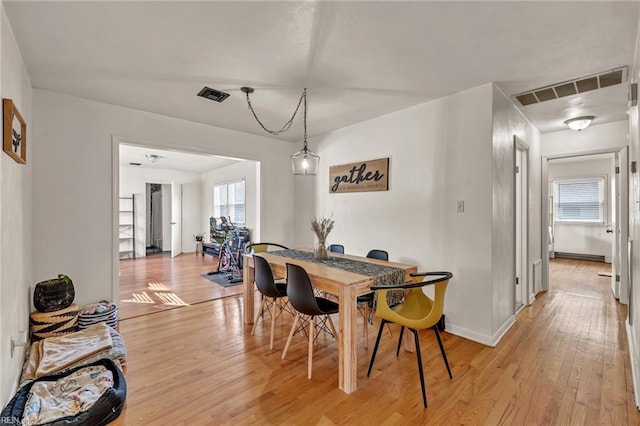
347	345
248	276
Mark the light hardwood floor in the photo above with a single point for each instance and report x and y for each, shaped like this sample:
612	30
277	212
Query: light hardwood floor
564	362
158	282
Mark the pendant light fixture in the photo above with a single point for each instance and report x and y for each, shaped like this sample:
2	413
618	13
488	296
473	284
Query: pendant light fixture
303	162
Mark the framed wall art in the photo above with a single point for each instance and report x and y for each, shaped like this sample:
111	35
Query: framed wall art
14	132
364	176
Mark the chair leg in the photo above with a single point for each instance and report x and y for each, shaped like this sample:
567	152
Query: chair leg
366	330
400	340
375	347
419	356
273	322
293	329
333	329
442	351
312	326
255	320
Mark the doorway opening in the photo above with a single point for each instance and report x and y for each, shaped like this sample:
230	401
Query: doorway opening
586	213
173	192
158	228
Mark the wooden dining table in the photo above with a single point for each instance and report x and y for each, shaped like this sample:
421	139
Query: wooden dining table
344	284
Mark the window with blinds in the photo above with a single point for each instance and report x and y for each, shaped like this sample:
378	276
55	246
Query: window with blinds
579	200
228	201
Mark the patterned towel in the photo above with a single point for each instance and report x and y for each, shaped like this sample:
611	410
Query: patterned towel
67	396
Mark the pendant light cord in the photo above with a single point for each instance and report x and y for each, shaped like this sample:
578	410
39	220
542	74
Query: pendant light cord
286	125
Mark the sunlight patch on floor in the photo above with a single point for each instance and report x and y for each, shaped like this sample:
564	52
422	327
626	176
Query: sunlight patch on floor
158	287
140	298
171	299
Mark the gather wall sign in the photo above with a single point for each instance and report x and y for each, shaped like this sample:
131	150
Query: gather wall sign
372	175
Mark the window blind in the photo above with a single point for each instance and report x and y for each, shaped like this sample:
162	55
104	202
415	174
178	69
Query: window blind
579	200
229	201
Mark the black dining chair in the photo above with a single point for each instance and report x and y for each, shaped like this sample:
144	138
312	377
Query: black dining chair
365	302
273	295
336	248
308	306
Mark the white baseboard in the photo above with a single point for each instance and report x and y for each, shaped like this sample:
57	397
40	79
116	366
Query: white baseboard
485	339
532	298
635	368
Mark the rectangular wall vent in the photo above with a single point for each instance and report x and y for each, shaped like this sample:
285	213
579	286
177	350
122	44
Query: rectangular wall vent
213	94
573	87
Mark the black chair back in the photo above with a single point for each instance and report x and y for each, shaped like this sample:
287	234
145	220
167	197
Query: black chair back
336	248
378	254
300	291
264	277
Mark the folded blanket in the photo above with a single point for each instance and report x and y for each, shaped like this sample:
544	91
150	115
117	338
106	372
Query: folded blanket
57	353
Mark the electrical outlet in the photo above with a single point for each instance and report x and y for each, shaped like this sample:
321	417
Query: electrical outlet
20	339
460	206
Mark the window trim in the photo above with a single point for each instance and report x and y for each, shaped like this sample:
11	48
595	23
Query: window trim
604	201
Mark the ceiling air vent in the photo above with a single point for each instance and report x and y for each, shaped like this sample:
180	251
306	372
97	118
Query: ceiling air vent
573	87
213	94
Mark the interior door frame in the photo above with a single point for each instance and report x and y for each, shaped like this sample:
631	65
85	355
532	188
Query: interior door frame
622	202
544	255
519	146
176	219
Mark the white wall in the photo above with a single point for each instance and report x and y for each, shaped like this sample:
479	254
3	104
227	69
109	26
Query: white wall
603	137
133	180
633	322
243	170
74	181
16	248
434	161
507	122
579	237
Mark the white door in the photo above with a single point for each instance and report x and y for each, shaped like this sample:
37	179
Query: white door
622	213
176	219
615	226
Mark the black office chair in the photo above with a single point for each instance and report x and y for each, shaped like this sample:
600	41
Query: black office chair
273	295
301	297
365	302
336	248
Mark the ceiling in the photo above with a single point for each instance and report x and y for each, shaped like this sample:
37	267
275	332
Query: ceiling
171	160
359	60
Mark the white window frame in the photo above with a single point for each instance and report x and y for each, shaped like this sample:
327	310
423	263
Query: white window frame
602	202
228	206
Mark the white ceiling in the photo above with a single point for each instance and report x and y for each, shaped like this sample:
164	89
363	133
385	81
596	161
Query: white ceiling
358	60
171	160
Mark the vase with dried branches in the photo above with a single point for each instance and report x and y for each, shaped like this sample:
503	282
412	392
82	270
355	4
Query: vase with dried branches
321	228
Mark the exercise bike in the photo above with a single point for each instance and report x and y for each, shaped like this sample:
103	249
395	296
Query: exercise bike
230	256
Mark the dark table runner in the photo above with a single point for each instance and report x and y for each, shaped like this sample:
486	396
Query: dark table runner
383	275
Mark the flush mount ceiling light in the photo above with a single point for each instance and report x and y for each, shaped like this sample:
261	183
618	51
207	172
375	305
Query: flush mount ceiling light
153	157
579	123
303	162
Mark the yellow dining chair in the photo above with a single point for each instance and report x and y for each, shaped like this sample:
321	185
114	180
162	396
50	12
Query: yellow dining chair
416	312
